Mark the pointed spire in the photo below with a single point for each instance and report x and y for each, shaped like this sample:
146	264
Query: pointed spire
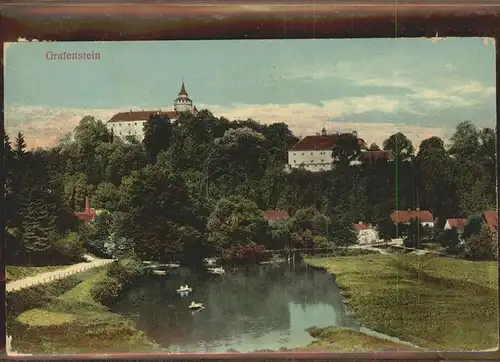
183	89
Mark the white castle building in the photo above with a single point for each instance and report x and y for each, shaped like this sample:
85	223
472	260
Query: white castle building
314	153
131	123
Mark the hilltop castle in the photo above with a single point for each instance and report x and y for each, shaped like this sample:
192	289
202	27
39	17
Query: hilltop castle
131	123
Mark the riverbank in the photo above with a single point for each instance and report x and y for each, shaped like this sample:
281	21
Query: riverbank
75	322
332	339
431	301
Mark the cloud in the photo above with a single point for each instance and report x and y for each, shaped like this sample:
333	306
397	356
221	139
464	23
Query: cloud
43	126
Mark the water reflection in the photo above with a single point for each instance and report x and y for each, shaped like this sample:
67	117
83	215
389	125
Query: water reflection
259	307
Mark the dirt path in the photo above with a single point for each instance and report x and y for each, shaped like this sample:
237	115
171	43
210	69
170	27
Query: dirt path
47	277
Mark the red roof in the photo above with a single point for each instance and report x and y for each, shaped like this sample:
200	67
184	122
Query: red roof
359	227
183	90
275	215
140	116
491	218
456	223
406	216
323	142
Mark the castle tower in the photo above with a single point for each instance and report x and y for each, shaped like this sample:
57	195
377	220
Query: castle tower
183	103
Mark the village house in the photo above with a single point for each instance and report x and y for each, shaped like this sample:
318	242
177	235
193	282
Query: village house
314	153
131	123
273	216
490	218
404	217
366	234
458	224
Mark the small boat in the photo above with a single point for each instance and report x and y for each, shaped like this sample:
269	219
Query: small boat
194	305
184	288
218	270
159	272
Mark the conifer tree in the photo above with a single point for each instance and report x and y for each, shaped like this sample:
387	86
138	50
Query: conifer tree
38	226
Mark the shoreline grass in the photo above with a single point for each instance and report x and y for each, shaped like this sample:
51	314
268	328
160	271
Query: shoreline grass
75	323
20	272
431	301
333	339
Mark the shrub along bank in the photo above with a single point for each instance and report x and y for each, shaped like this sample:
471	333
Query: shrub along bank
79	320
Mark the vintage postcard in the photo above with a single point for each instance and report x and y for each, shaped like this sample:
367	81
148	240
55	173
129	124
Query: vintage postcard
245	196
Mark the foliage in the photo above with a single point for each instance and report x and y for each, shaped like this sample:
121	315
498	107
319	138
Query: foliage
386	229
414	232
249	253
197	186
120	275
481	246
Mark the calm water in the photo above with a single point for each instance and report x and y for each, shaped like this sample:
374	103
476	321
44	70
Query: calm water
254	308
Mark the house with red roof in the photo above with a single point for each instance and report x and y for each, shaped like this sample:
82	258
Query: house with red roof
404	217
458	224
366	234
314	153
275	215
131	123
490	218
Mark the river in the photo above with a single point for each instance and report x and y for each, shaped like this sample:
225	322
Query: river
262	307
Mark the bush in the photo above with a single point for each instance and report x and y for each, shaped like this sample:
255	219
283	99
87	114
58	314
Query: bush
120	275
481	246
242	254
107	290
68	249
36	296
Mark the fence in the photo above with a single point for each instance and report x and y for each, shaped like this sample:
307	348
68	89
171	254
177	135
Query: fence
53	276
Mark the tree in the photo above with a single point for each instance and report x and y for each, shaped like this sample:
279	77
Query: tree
386	229
38	226
465	141
374	147
431	144
399	146
346	150
157	134
414	232
236	220
481	246
450	239
342	233
157	208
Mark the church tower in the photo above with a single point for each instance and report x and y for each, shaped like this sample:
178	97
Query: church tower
183	103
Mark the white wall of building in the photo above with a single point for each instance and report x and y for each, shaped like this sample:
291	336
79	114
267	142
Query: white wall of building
129	128
368	236
314	161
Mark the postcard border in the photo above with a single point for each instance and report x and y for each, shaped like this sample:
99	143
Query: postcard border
261	20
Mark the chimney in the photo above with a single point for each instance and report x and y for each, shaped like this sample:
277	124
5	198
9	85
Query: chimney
87	205
355	133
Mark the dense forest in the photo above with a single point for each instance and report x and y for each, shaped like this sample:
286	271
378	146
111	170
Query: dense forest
197	186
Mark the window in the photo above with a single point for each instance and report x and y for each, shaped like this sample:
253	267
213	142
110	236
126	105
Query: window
294	161
312	153
135	124
322	160
302	153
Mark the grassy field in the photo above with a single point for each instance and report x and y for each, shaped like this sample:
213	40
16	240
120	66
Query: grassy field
20	272
348	340
75	323
431	301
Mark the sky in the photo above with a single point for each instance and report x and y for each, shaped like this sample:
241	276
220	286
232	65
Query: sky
421	87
